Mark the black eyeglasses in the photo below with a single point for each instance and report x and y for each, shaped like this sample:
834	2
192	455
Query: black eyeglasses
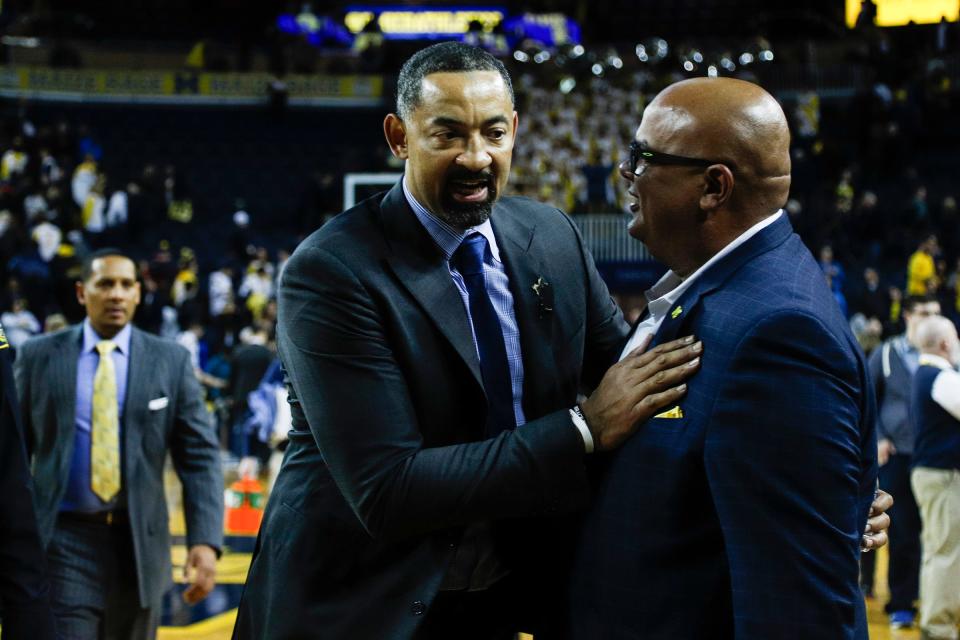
639	153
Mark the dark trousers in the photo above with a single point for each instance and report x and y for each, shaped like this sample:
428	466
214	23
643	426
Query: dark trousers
490	614
904	574
93	583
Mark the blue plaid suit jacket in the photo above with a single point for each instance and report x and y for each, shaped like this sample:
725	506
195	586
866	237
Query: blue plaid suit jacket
742	518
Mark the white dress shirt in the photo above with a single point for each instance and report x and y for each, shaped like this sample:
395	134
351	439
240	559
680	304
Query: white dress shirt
662	296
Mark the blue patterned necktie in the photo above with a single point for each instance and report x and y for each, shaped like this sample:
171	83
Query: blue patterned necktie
468	261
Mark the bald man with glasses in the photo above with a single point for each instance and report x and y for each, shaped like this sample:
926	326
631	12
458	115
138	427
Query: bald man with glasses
739	512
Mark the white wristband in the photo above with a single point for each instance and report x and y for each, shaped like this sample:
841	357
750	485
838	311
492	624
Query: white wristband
581	424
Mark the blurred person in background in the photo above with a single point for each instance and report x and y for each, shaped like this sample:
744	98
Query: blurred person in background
101	507
874	300
54	322
250	360
935	407
19	323
921	268
892	368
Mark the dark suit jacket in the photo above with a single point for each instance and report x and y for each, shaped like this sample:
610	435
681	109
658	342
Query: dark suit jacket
24	592
387	461
743	518
46	371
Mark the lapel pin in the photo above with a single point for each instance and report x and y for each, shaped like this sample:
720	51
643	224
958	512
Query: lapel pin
544	296
676	313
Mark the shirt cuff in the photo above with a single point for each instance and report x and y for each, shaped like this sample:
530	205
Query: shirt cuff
581	424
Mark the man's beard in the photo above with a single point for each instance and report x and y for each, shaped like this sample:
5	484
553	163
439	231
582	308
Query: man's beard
465	215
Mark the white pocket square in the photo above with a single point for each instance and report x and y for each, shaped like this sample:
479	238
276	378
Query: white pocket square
158	403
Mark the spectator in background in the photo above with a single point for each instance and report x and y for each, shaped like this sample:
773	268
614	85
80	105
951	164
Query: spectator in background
874	300
257	288
34	205
84	178
834	271
918	206
94	209
20	324
892	368
220	290
50	172
935	406
599	183
921	268
186	282
249	362
118	207
867	331
14	161
190	340
48	237
55	322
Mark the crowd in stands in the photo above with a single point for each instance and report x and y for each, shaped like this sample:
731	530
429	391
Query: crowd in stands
57	205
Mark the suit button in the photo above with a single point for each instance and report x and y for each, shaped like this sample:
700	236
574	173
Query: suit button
418	608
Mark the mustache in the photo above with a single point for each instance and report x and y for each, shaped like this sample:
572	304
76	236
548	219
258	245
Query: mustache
465	175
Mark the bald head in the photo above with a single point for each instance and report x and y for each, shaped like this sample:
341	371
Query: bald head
937	336
731	121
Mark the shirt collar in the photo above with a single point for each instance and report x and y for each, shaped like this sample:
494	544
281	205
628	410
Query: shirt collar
446	236
91	338
670	287
935	361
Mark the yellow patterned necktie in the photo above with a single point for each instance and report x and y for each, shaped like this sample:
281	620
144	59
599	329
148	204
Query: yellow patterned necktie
105	427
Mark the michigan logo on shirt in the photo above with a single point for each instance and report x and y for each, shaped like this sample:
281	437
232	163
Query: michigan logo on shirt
3	339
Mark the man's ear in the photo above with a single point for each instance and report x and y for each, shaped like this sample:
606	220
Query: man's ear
718	184
81	294
395	131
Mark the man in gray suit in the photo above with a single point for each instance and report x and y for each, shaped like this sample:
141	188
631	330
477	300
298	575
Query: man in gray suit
102	404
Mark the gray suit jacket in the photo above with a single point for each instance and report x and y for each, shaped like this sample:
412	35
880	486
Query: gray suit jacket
387	462
46	373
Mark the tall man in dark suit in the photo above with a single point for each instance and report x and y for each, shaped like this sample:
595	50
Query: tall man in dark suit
435	340
103	403
24	593
736	513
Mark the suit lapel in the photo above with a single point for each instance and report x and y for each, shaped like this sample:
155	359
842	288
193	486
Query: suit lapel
768	238
422	269
64	382
525	268
136	399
